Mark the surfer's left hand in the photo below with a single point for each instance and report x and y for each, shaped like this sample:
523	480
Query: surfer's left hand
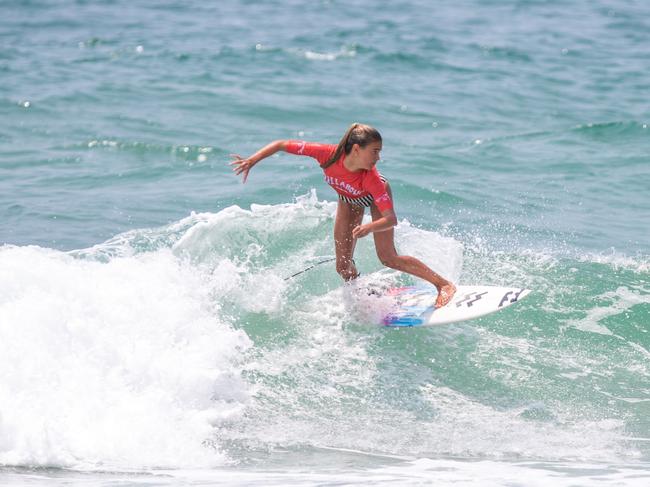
361	231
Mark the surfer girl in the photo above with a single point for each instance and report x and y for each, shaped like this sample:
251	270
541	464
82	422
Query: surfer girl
349	168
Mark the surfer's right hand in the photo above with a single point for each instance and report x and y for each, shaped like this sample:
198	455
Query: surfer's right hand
241	165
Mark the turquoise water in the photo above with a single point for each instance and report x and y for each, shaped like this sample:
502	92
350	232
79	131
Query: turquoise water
147	333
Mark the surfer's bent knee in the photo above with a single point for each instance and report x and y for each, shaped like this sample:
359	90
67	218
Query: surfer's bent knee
389	260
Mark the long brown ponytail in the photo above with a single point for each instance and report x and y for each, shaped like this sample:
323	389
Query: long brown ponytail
357	133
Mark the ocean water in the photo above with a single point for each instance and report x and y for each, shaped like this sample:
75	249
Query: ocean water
147	333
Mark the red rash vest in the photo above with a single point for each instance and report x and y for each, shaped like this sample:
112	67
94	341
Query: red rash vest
345	182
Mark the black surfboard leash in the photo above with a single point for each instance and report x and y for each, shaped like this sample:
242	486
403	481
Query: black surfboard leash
310	267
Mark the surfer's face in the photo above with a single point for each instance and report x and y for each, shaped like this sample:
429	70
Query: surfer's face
369	155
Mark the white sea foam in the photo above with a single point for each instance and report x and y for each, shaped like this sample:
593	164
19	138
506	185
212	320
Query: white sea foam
386	471
443	254
466	427
619	301
112	364
639	264
344	52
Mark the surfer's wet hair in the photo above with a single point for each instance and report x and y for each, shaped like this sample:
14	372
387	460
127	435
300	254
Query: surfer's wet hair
357	133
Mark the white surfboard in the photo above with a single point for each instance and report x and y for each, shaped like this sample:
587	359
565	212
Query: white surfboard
414	305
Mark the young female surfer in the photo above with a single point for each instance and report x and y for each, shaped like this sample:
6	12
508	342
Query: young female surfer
349	168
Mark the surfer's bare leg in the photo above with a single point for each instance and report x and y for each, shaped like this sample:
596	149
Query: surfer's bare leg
385	246
347	218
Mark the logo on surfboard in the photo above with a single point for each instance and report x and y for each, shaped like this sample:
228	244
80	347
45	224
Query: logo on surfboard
470	299
507	299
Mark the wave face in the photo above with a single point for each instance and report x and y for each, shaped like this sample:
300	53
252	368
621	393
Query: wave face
185	346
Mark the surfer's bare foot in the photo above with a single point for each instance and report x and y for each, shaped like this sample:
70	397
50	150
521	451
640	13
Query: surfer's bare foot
445	293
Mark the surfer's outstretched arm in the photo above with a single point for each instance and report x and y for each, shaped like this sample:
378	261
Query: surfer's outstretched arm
244	165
